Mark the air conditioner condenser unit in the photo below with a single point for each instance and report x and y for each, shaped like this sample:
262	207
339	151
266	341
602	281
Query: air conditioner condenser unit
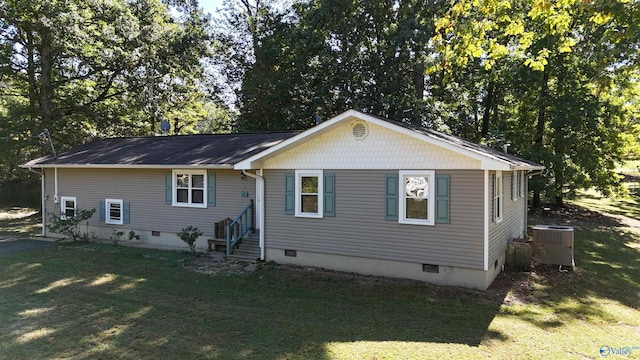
553	245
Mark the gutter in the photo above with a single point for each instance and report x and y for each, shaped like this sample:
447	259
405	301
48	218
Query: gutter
42	200
259	199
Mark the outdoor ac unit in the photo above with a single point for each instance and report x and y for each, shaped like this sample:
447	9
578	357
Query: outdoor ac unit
553	245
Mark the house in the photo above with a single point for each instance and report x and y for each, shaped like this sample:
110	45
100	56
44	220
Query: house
355	193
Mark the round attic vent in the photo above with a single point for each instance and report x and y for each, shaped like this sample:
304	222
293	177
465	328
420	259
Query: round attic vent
359	130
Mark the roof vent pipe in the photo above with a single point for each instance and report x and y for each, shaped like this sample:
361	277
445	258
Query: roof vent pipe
318	119
505	147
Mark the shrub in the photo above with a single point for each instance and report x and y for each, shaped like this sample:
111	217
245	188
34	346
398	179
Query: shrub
116	236
70	226
189	235
133	236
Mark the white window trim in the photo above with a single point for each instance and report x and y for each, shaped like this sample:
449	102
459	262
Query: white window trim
514	185
63	207
107	211
431	197
498	187
174	188
298	202
522	176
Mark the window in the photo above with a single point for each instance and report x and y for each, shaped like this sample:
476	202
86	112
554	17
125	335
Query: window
189	188
114	211
514	185
417	197
309	193
67	207
521	183
498	195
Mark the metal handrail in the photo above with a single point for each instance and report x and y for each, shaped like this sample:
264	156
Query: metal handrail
240	226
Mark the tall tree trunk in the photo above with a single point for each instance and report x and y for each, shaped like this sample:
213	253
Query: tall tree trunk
488	106
31	77
540	125
418	79
46	90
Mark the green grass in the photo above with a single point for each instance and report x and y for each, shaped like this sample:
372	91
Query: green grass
98	301
19	222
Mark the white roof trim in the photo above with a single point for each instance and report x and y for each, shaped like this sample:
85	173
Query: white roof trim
487	162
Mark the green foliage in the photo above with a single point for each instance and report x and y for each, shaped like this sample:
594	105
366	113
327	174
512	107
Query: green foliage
116	236
87	70
69	226
133	236
189	235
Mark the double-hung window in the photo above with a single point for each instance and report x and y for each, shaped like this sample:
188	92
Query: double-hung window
189	188
67	207
114	211
309	186
521	184
417	197
514	185
498	196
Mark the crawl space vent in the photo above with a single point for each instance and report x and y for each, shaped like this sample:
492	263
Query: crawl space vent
359	130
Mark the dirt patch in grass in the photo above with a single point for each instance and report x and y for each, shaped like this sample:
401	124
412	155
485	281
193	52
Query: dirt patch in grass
572	216
214	263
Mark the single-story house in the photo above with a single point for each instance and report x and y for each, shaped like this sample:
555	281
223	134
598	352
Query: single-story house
355	193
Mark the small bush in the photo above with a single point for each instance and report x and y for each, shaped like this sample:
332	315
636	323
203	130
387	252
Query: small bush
70	226
133	236
189	235
116	236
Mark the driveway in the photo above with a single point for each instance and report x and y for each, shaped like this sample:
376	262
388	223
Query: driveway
12	245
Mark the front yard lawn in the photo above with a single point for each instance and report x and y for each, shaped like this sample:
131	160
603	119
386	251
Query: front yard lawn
96	301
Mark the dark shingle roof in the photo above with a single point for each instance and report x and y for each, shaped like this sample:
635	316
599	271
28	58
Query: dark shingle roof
193	150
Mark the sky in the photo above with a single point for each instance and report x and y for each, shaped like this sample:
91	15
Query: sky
209	6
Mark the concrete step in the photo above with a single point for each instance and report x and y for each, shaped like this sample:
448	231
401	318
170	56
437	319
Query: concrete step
244	257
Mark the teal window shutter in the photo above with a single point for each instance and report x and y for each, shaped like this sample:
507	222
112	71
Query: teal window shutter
168	188
102	211
392	197
329	194
211	189
289	194
126	217
443	198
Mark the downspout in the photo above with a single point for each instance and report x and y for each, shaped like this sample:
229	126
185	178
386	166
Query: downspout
42	200
55	185
487	216
260	206
526	198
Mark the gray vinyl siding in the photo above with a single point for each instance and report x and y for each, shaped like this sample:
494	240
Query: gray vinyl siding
513	217
359	227
145	191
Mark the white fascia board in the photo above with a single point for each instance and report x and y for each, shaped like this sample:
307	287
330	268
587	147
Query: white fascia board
528	167
121	166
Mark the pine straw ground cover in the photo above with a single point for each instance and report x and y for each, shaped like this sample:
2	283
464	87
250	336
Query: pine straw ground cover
97	301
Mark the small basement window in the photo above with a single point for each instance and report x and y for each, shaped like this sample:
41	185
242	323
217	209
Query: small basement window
430	268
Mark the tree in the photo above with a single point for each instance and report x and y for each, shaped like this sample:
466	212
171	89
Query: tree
85	70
